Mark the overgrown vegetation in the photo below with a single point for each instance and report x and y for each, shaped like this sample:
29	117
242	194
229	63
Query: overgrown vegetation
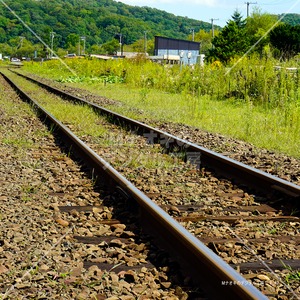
253	99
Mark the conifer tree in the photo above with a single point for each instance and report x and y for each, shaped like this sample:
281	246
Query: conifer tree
232	41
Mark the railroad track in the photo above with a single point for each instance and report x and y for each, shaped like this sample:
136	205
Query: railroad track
241	173
189	213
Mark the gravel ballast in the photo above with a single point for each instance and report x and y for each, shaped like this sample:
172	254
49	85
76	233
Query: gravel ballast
165	186
39	258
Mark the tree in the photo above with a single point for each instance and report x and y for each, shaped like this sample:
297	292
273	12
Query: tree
286	39
232	41
205	39
258	26
138	46
6	50
99	20
26	49
110	47
95	49
72	42
238	19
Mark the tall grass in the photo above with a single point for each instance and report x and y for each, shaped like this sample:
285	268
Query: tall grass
250	100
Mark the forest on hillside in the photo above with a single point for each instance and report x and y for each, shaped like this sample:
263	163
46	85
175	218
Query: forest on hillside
97	20
100	26
290	19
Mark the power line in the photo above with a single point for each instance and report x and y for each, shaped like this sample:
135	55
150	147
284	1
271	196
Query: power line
278	2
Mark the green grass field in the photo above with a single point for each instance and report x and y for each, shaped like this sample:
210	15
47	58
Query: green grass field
267	115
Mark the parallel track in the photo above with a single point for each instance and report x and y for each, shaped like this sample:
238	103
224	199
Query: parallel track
237	172
206	268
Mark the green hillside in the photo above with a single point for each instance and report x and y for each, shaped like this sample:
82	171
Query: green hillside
98	20
291	19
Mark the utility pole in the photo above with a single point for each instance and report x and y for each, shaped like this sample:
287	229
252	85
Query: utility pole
79	52
21	41
212	26
83	38
120	42
193	33
145	42
248	3
51	37
20	44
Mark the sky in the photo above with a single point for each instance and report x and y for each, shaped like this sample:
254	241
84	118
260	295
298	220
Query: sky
218	10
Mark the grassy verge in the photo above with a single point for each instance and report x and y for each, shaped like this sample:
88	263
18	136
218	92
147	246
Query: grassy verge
127	151
272	127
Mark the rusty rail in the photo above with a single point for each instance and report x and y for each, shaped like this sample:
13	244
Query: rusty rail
237	172
215	277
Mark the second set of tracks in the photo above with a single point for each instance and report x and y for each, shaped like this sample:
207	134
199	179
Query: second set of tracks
230	221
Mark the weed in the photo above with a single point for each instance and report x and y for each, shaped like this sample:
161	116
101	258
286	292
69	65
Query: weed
34	271
275	230
294	212
64	275
25	198
263	107
144	92
17	142
293	275
29	189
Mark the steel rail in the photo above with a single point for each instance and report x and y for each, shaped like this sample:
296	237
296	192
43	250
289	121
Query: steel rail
214	275
237	172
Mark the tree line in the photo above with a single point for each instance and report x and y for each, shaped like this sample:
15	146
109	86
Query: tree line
261	33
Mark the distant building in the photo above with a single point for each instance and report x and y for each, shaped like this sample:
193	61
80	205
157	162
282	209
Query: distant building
176	51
